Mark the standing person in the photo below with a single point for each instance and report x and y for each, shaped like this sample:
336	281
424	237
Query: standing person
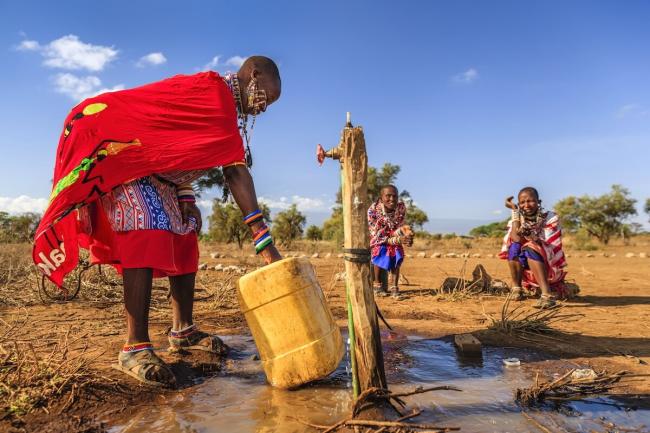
388	235
136	203
533	248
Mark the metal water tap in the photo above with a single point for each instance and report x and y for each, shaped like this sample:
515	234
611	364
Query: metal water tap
335	152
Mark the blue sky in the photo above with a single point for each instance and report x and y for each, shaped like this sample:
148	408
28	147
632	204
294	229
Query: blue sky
472	99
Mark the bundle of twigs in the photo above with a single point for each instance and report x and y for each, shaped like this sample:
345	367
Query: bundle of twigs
374	397
460	288
522	322
567	388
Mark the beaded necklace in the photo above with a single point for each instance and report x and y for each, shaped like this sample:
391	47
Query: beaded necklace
232	80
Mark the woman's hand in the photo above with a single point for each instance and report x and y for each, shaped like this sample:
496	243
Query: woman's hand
190	210
510	204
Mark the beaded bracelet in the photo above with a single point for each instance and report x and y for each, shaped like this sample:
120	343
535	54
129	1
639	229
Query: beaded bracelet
253	217
263	242
137	347
186	198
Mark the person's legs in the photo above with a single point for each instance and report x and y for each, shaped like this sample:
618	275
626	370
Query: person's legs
516	269
137	298
182	299
536	264
137	358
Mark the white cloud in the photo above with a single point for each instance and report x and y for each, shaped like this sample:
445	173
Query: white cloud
236	61
22	204
28	45
466	77
212	64
68	52
303	203
497	212
151	59
632	110
78	88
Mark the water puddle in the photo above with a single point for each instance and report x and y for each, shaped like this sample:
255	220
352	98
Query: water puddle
239	400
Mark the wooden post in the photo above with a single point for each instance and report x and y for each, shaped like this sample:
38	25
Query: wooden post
354	179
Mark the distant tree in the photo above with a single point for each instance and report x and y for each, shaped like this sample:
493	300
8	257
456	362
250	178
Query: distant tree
288	225
18	228
415	217
646	208
602	217
226	224
493	230
333	227
314	233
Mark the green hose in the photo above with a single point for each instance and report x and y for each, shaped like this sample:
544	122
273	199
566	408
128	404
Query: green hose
353	360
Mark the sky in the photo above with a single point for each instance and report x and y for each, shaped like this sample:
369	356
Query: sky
472	99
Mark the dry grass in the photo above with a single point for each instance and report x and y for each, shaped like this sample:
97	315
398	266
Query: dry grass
30	381
460	288
524	323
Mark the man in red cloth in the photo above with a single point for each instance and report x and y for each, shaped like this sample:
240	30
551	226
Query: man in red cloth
126	161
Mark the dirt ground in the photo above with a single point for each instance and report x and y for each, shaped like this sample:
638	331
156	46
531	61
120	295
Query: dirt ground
65	350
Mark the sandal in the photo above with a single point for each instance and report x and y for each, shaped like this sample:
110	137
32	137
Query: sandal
545	302
191	338
395	294
144	365
517	293
379	289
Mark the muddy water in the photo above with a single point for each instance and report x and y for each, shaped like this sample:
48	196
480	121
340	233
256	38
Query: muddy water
239	400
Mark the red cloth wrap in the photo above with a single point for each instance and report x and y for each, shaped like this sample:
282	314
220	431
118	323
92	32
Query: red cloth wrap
187	122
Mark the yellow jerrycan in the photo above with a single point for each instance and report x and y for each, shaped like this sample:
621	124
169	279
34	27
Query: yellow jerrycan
292	326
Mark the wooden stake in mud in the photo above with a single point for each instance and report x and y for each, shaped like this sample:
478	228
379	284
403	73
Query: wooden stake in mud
367	356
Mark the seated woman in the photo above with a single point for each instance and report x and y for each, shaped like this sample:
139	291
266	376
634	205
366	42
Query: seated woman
388	234
533	248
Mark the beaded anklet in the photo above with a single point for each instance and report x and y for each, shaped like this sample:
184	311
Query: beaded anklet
185	332
137	347
253	217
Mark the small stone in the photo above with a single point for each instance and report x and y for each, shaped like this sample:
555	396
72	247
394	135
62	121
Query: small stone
409	256
451	255
214	255
328	255
218	267
613	255
476	255
630	255
465	255
302	256
604	255
340	255
436	255
490	256
643	255
567	256
590	255
421	255
203	266
315	256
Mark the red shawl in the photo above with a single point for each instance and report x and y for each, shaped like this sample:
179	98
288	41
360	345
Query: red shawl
186	122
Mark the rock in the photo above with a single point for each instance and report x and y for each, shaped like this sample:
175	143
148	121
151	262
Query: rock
421	255
218	267
203	266
476	255
409	256
436	255
490	256
328	255
302	256
630	255
315	256
590	255
604	255
451	255
465	255
613	255
339	255
468	344
214	255
567	256
643	256
252	256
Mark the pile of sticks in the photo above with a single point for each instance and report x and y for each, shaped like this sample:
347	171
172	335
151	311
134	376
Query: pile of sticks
567	388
